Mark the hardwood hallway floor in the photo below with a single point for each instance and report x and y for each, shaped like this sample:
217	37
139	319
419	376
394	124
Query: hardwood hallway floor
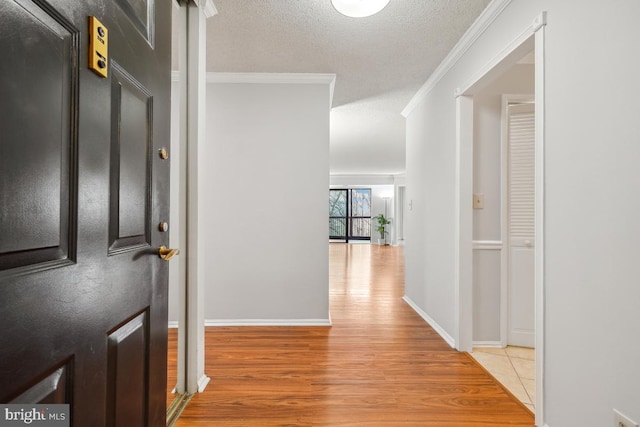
379	364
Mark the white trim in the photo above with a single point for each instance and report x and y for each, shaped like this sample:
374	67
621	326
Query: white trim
176	76
400	178
332	86
400	200
487	344
504	256
386	176
276	78
194	74
463	246
202	383
271	78
539	22
486	18
173	324
267	322
439	329
539	218
364	179
487	245
208	7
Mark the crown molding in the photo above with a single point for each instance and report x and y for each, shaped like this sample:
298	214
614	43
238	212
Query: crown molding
486	18
208	7
340	179
271	78
276	78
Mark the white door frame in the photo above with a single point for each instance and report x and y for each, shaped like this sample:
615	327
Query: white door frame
400	191
192	33
531	37
194	74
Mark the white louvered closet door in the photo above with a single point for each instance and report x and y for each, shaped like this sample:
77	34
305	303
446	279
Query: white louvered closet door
521	215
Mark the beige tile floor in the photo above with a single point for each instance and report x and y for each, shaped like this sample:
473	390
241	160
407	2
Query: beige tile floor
514	367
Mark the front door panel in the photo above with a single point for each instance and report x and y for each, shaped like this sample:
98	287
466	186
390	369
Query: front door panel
54	388
131	132
83	290
38	134
128	372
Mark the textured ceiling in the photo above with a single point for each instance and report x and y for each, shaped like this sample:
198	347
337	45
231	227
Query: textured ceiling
380	62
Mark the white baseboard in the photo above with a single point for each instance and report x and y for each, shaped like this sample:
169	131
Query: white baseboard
439	329
267	322
492	344
202	383
173	324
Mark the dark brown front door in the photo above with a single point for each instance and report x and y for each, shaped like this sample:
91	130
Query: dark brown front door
83	189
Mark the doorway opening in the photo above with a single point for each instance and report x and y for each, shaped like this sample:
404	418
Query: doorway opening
530	40
503	272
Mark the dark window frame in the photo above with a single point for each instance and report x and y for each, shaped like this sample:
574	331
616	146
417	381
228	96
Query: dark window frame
349	218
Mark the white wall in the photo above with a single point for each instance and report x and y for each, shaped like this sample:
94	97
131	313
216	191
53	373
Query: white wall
487	129
429	222
487	167
592	199
264	180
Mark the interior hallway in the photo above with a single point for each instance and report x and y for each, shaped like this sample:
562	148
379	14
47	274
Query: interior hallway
379	364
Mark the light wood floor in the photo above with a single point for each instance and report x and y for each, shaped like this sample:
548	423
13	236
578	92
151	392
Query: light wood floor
172	364
379	364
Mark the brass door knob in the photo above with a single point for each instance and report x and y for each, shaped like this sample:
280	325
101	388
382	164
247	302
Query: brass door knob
166	254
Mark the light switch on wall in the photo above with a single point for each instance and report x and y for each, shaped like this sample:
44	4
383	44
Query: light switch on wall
478	201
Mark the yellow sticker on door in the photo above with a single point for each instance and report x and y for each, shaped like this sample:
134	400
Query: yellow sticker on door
98	47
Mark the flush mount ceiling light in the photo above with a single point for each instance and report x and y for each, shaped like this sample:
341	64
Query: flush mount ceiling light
359	8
